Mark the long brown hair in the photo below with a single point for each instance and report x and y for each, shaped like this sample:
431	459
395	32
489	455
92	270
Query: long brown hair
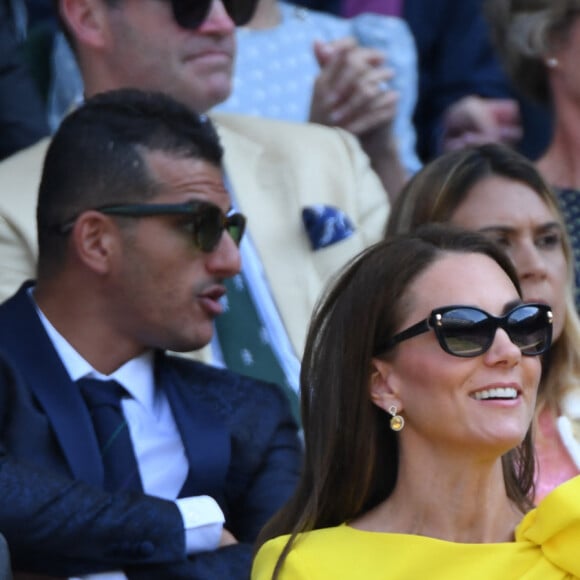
351	455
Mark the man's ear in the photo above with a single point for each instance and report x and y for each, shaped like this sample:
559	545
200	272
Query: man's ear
96	240
86	19
384	387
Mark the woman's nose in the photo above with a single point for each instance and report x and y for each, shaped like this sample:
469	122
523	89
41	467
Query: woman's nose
503	350
529	262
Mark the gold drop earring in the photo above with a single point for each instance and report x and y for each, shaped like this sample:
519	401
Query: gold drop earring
397	422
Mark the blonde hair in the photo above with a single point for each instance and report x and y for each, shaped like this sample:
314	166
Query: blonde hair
562	374
524	32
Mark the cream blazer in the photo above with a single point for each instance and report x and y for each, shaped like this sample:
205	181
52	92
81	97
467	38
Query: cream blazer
276	169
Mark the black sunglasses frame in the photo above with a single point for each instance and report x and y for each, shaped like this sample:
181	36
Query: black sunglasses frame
191	14
436	322
199	212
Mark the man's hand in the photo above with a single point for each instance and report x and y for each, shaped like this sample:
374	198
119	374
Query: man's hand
351	90
476	120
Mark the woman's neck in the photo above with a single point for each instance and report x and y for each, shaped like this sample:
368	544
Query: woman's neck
267	15
560	164
450	501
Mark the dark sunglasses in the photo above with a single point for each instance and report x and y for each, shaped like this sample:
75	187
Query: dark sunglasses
207	220
467	331
192	13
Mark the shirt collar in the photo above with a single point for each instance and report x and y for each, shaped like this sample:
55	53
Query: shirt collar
136	375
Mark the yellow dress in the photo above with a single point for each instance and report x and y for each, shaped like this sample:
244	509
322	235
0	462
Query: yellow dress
546	547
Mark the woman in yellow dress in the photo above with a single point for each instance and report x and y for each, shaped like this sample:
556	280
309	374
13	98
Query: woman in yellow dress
419	385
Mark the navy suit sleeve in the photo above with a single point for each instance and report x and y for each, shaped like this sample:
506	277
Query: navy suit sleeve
266	461
266	452
264	456
59	526
277	468
63	527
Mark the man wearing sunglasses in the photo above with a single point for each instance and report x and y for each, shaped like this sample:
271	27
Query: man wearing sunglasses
135	243
275	170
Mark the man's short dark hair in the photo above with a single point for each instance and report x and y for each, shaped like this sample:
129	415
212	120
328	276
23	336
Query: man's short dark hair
96	158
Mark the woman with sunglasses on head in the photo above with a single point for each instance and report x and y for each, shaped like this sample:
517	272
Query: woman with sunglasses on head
497	191
419	384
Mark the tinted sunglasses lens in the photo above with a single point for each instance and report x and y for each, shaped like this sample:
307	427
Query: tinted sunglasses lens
208	227
236	225
530	329
240	11
465	332
190	13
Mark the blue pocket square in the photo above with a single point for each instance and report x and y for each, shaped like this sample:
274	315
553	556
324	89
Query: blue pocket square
326	225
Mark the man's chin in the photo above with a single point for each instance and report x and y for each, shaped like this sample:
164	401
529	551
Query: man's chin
215	90
187	345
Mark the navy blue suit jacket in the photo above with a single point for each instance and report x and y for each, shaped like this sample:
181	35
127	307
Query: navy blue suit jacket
239	437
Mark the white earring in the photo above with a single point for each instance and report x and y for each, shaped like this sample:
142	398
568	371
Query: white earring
552	62
397	422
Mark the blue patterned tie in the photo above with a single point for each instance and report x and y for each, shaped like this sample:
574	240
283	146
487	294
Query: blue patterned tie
103	399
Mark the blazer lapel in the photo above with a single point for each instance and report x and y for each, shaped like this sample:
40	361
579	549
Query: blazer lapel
205	437
23	337
241	161
266	191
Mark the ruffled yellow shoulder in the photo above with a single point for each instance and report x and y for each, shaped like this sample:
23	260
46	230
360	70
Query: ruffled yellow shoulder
555	526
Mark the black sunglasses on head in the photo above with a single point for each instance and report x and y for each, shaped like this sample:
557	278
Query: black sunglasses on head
192	13
467	331
207	220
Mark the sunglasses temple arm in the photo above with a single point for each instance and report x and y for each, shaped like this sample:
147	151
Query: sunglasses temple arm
415	330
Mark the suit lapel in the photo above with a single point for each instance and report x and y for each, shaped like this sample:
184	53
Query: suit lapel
205	437
25	340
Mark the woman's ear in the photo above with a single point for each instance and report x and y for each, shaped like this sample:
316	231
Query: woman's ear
383	387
